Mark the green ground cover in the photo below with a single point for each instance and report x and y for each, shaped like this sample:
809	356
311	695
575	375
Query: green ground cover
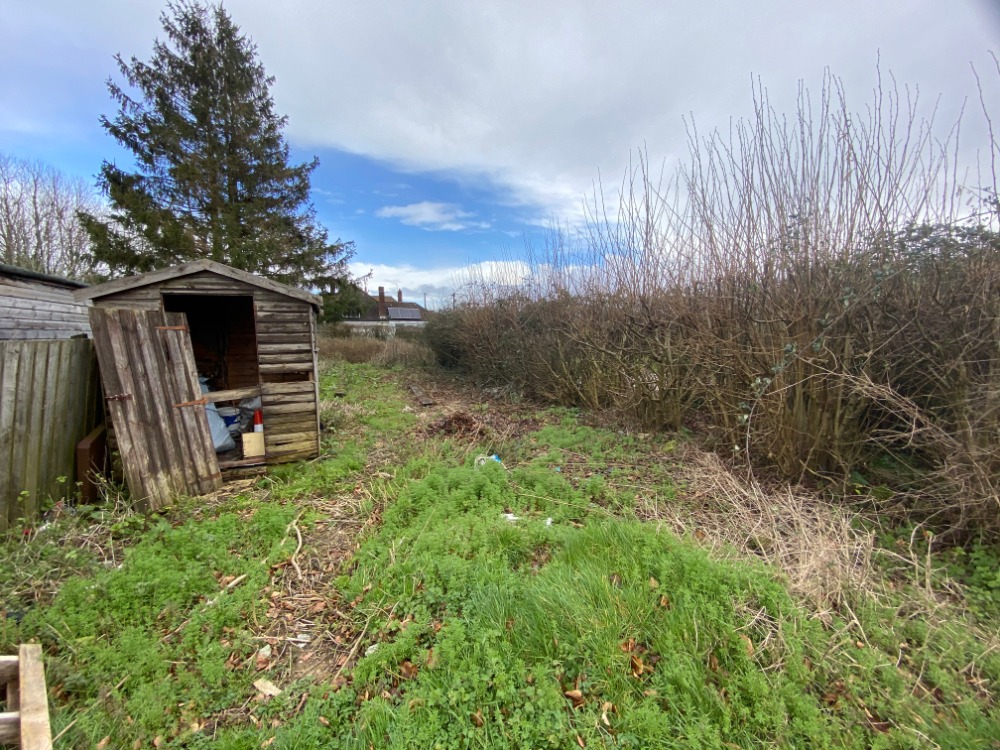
495	606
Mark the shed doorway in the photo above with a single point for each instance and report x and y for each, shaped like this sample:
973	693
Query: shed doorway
223	333
223	336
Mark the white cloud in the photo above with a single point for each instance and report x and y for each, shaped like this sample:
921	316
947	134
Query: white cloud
538	99
432	216
543	99
438	284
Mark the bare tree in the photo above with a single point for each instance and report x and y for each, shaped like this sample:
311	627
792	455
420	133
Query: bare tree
39	229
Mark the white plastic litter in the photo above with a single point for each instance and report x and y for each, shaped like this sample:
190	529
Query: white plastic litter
482	459
511	517
548	521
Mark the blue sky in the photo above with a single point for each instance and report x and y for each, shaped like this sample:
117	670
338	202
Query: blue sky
451	133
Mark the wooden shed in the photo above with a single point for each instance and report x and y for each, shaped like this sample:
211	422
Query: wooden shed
246	335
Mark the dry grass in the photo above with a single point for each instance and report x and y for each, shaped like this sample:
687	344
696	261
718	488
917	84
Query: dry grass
815	544
353	349
403	352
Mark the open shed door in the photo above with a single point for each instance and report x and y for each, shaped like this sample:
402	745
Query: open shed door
155	404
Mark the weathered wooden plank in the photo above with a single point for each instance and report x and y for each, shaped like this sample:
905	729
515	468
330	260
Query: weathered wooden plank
183	377
36	734
297	337
271	305
300	386
285	421
315	363
40	293
275	369
284	316
13	691
74	374
20	307
10	357
299	446
34	447
275	440
287	458
39	335
22	421
284	348
46	318
119	392
288	398
233	394
50	439
10	728
131	302
281	328
208	285
200	434
164	433
308	407
8	668
304	358
157	483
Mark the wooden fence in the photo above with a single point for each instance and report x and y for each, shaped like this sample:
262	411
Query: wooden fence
49	400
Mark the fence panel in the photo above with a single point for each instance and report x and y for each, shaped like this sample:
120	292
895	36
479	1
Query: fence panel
48	402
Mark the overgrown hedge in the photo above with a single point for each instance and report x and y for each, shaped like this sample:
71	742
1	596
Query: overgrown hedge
803	303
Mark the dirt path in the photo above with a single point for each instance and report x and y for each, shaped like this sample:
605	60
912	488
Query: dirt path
309	629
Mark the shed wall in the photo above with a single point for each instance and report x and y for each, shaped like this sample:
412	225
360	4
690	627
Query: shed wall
32	309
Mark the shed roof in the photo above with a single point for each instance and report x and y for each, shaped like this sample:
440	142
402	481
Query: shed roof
23	273
186	269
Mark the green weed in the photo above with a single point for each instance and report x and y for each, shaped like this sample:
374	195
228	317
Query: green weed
160	629
524	634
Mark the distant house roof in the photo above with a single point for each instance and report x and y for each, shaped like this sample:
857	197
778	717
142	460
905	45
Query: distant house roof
13	272
394	309
186	269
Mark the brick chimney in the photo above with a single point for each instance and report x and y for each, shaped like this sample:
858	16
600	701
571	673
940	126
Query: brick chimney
399	296
383	310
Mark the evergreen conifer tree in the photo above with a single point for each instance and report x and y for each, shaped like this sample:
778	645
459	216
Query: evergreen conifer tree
212	175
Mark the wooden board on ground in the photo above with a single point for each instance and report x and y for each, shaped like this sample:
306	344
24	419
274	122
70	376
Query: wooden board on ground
421	396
